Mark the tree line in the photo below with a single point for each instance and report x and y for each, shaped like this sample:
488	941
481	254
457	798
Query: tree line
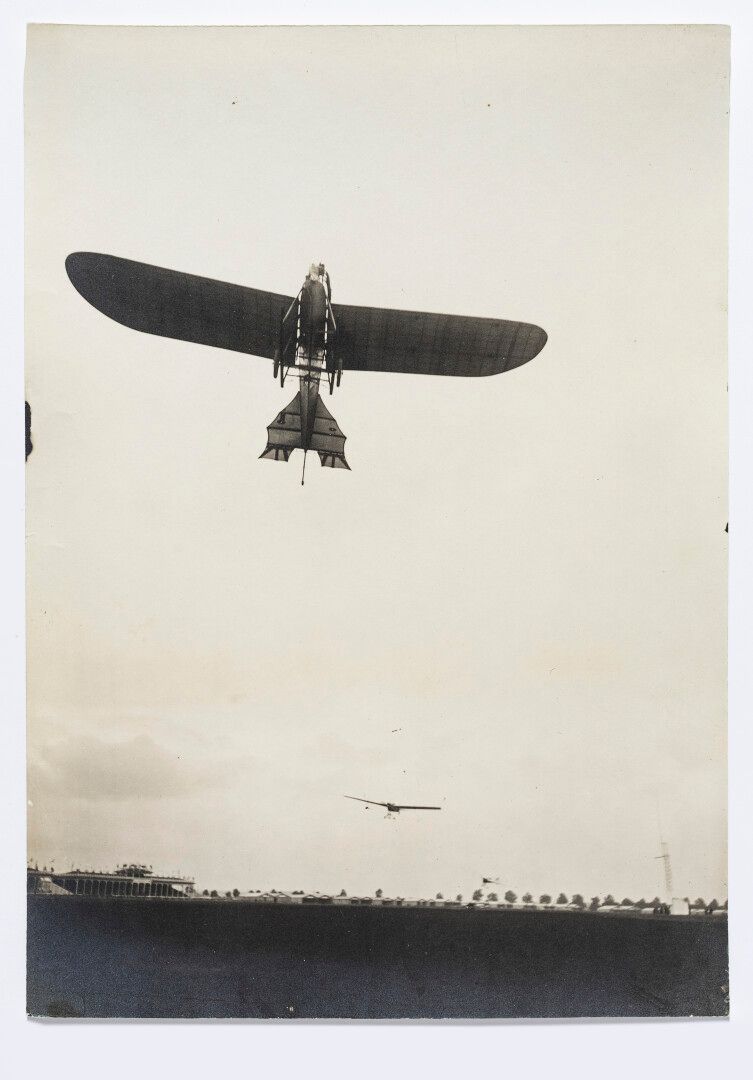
577	900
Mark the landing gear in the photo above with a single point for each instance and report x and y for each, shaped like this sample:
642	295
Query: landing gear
290	329
334	374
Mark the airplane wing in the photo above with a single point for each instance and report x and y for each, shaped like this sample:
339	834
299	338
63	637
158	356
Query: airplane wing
401	807
170	303
177	305
372	802
422	343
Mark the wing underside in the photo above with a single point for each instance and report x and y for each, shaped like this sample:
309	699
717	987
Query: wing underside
423	343
177	305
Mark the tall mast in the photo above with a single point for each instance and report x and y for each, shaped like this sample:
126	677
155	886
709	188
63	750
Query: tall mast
668	887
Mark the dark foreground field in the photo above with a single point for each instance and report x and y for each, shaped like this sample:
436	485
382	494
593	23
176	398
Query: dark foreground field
199	958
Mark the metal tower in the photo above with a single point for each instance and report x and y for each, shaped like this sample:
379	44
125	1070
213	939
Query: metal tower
668	887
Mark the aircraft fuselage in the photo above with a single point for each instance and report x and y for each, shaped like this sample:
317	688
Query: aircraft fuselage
307	349
311	357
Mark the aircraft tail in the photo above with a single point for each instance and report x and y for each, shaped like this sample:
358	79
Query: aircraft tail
285	434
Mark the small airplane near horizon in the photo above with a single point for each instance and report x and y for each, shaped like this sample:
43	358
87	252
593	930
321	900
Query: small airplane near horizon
392	808
304	334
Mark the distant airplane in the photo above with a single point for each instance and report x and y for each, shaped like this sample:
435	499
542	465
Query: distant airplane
392	808
304	334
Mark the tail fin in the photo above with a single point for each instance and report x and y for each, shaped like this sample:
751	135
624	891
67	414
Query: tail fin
328	440
284	433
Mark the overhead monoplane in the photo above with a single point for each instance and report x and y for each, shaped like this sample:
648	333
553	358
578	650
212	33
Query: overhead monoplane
392	808
304	335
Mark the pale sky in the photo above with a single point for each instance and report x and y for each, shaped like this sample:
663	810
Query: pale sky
514	605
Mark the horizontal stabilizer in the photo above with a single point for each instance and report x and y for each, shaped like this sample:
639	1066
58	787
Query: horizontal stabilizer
284	433
327	439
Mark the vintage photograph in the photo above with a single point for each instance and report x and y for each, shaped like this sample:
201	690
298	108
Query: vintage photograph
377	527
